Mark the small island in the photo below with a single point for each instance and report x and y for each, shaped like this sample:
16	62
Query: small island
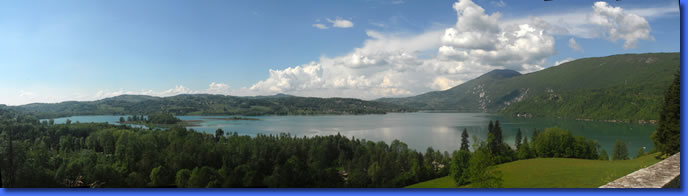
232	118
158	120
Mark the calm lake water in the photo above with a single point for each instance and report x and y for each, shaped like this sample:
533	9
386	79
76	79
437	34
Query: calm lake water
418	130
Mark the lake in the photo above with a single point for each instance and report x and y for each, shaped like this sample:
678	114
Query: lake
418	130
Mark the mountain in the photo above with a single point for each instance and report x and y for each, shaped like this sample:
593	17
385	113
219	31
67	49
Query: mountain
627	86
468	97
205	104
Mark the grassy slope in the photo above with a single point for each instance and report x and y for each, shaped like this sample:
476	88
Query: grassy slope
556	173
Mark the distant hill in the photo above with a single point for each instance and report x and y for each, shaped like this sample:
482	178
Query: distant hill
205	104
627	86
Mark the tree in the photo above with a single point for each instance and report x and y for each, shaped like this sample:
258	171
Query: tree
603	155
641	152
464	140
121	119
51	121
68	122
620	151
518	139
160	176
482	171
667	137
218	134
459	167
182	177
525	152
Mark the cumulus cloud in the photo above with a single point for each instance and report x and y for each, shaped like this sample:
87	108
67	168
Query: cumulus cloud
619	24
444	83
320	26
479	40
602	21
574	45
213	88
556	63
341	23
391	64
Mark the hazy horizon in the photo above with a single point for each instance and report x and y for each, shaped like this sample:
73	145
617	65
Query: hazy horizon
89	50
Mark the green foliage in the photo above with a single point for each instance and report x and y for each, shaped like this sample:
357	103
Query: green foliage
517	143
464	140
557	142
161	118
203	104
182	178
603	155
620	151
667	137
525	151
121	156
641	152
459	167
482	170
555	173
619	87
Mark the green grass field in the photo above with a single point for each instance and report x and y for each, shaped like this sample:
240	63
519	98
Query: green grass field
555	173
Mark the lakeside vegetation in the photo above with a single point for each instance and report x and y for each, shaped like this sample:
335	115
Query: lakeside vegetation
43	154
204	104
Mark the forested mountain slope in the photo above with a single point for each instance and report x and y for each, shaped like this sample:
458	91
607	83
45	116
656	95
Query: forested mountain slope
627	86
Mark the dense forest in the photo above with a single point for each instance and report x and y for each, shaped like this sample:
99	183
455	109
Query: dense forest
204	104
42	154
626	87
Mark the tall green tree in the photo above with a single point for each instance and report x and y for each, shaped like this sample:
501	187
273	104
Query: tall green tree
464	140
620	151
667	137
518	139
219	133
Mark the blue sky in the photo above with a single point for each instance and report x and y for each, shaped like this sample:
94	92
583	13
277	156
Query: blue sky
52	51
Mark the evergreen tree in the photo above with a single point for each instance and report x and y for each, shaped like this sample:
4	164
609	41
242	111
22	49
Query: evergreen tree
620	151
121	119
525	152
218	134
667	137
518	139
464	140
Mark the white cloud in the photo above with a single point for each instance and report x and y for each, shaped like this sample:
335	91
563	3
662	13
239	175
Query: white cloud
556	63
499	3
378	24
576	22
341	23
320	26
574	45
619	24
444	83
217	88
391	64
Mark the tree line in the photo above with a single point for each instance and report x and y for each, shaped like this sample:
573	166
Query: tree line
44	154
